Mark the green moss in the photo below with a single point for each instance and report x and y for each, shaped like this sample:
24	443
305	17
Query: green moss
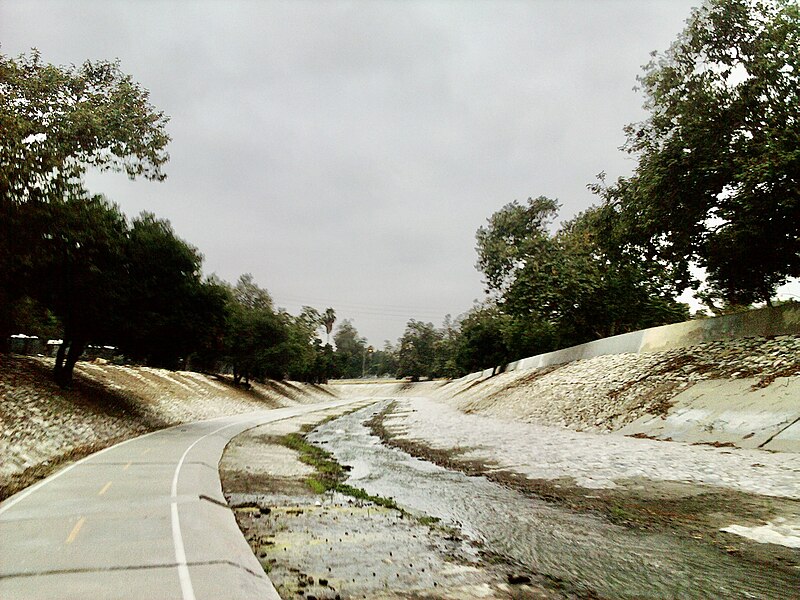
330	476
317	486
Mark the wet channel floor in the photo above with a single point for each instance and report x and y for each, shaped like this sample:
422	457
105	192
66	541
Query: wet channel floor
335	547
586	554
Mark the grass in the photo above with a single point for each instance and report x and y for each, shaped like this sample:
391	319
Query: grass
330	476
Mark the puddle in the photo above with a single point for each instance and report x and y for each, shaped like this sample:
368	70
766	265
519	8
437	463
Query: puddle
586	553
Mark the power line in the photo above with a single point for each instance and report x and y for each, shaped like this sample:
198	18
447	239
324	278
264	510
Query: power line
386	311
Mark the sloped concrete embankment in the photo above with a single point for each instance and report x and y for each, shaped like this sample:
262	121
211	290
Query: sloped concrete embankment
42	426
743	391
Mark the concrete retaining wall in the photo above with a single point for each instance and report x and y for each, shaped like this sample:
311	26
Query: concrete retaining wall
763	322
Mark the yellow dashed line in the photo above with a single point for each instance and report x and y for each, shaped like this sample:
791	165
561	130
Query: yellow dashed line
74	533
104	489
125	468
146	450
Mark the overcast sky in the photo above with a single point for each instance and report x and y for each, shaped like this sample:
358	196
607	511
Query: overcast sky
345	153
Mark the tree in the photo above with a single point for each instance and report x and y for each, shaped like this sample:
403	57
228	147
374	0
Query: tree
32	317
514	234
257	339
566	288
307	357
55	122
384	361
718	179
350	350
416	356
166	311
328	319
77	274
137	287
482	340
248	295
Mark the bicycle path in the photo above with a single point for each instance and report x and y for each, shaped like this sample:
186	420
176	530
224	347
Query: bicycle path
145	518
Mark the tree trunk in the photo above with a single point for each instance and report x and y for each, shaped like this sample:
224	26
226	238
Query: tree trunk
65	366
59	366
76	348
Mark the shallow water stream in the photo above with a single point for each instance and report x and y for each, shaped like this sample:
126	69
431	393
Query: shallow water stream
584	552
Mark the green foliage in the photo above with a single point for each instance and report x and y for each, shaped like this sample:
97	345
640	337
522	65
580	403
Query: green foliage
260	342
76	273
309	360
137	286
76	258
32	317
55	122
330	474
351	351
482	341
559	289
58	120
514	234
256	336
417	354
718	179
167	311
383	361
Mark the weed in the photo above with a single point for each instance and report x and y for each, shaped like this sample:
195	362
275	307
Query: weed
330	476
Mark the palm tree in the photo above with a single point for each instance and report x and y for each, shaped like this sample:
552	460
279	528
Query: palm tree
328	319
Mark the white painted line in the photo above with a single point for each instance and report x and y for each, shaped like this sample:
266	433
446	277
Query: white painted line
187	589
22	495
185	578
180	556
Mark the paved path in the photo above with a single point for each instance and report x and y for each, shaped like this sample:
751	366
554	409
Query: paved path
143	519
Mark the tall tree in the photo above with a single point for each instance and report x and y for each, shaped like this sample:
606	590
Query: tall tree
482	342
248	295
328	319
384	361
350	349
258	339
55	122
416	356
718	179
167	311
79	274
513	235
